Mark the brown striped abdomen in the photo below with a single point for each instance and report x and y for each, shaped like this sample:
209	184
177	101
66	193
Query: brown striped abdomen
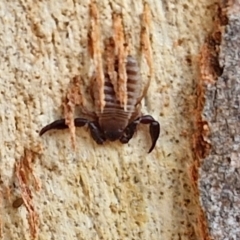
113	113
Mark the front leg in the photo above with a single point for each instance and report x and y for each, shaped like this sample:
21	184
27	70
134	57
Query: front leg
95	130
60	124
154	129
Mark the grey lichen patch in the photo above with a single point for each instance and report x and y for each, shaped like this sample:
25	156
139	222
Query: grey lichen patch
219	175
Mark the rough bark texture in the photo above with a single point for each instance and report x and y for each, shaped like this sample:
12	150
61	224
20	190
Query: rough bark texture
220	171
112	191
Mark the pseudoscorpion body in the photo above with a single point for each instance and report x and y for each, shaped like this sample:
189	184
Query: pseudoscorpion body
114	122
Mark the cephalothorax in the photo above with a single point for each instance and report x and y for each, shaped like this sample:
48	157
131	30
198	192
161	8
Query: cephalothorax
115	123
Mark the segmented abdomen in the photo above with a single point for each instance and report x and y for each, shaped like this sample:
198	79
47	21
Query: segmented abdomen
113	108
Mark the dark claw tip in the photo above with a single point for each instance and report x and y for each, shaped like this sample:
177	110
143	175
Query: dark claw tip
150	150
42	131
154	132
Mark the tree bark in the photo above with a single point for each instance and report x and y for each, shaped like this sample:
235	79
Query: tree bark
220	174
112	191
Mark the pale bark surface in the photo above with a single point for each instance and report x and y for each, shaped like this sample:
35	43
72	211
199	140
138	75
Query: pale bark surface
112	191
220	172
